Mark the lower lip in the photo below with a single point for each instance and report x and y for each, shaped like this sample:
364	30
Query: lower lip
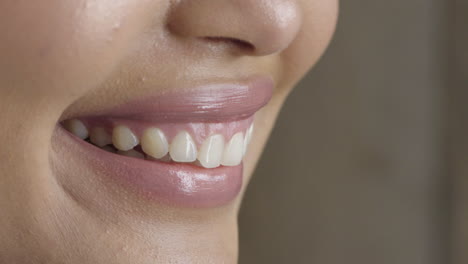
175	184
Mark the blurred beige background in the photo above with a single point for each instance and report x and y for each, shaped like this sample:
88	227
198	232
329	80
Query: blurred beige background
367	162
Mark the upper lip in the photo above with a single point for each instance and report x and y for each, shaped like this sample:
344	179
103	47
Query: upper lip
213	102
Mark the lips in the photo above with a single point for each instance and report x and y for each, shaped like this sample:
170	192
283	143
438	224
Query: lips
183	147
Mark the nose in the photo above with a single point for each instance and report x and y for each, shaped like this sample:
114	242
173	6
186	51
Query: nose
261	27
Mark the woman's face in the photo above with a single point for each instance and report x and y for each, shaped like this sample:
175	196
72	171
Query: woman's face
159	97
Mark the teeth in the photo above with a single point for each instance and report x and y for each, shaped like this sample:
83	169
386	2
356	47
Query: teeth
183	149
123	138
76	127
233	152
248	137
100	137
154	143
211	151
166	158
131	153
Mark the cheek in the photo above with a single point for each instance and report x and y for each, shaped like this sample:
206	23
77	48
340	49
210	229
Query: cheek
318	26
64	47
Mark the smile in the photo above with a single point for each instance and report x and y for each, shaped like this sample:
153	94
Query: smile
183	148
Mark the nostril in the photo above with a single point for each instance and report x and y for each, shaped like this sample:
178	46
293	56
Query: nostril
240	27
238	43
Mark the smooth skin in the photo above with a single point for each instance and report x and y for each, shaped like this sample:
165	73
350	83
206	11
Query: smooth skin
65	58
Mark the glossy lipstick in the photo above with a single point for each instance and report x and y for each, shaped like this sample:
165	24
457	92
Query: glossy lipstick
222	109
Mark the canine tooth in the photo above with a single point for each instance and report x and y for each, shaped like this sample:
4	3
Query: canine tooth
183	149
76	127
100	137
233	151
154	143
131	153
248	137
123	138
211	151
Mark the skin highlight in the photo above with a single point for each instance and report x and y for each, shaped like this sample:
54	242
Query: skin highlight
61	59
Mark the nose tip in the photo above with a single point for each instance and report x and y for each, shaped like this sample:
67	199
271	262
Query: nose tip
265	26
273	26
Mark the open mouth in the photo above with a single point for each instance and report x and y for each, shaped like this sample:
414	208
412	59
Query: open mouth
184	148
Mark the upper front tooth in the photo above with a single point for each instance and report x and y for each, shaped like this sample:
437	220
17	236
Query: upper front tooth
154	143
100	137
211	151
76	127
248	137
123	138
233	152
183	149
